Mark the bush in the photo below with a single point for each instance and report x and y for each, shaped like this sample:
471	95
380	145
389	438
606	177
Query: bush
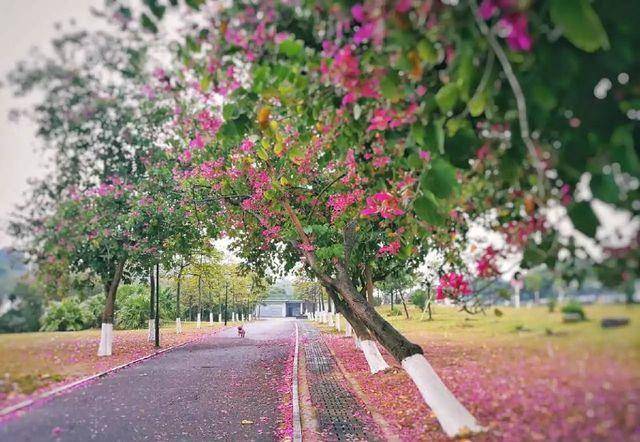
25	313
94	307
419	298
132	306
574	307
66	315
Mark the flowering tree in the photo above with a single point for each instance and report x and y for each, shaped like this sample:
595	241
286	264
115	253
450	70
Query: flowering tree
356	138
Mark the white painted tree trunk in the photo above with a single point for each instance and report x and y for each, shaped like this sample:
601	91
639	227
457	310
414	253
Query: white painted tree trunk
211	318
178	325
374	358
516	298
219	317
106	340
243	317
198	321
338	321
250	317
349	329
152	330
452	415
356	341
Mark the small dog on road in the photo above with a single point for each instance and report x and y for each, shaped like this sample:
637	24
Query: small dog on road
241	331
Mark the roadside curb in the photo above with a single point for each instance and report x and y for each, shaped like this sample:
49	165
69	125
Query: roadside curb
63	388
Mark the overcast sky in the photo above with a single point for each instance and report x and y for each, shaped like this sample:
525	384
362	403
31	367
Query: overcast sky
25	24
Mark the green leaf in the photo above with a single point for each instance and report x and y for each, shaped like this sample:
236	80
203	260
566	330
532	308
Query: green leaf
148	24
291	48
389	86
440	179
583	218
477	104
447	97
434	136
580	24
195	4
262	154
605	188
427	51
426	209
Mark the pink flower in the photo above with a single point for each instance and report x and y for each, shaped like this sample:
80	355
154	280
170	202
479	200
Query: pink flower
357	11
197	142
306	247
384	204
364	33
518	37
425	155
247	146
390	249
486	265
453	285
271	232
403	6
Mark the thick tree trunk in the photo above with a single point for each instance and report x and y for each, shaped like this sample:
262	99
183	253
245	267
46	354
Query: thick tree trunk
368	278
106	334
452	415
370	349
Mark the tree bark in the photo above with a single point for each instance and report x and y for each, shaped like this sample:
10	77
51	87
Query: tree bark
404	304
111	289
368	278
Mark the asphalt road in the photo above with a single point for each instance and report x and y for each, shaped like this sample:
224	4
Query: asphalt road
203	391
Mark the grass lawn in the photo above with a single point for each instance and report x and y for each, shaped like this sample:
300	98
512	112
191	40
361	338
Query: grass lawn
34	362
525	375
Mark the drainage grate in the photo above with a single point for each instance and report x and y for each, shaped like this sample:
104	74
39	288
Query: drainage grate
341	417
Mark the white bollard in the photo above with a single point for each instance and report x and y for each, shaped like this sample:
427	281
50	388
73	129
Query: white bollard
198	321
178	325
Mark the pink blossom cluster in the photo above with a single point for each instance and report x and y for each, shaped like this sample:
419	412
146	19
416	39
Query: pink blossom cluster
513	23
340	202
339	66
386	118
390	249
518	232
453	285
383	204
486	265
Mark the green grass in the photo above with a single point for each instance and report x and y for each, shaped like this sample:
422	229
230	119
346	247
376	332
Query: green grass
525	327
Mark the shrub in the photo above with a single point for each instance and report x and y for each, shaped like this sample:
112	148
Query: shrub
132	308
94	306
66	315
25	313
419	298
574	307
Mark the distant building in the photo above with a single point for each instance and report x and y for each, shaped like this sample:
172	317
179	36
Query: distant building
281	304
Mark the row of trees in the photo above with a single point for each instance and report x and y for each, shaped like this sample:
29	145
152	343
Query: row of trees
351	139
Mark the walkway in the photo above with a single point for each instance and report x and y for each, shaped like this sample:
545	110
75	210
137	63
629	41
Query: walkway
221	388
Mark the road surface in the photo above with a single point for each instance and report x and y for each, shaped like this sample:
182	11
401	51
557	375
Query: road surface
220	388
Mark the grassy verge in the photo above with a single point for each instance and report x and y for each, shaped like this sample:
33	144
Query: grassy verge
31	363
523	373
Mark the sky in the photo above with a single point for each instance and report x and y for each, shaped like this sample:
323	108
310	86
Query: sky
25	24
